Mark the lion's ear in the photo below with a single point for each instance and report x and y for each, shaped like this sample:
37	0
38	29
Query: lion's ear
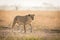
28	14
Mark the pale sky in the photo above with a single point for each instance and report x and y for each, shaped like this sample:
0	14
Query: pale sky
31	3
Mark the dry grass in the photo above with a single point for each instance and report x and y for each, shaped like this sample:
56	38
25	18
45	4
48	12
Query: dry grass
37	35
27	38
43	19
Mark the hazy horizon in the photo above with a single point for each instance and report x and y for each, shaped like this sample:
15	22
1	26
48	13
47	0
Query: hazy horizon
30	4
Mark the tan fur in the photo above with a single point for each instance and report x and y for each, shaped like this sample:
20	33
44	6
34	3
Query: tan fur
23	20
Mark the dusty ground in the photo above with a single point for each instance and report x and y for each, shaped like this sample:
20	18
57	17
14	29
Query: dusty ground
8	34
